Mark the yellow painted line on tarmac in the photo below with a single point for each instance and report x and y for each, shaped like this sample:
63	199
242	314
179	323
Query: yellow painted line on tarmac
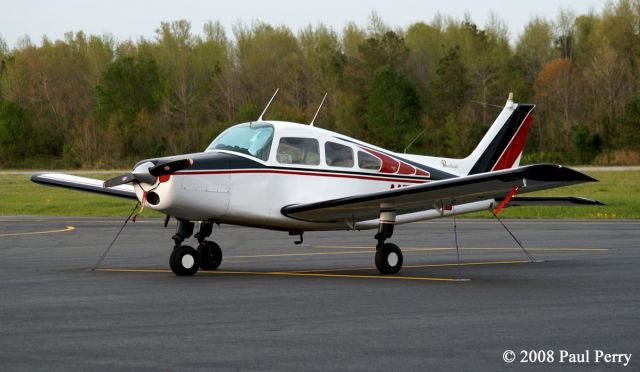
418	249
425	265
67	228
295	273
134	270
296	254
354	250
311	274
472	264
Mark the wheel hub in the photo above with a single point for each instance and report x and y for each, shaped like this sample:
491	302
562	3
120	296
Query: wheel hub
187	261
392	259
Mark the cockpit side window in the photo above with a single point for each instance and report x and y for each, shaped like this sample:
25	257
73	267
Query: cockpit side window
338	155
295	150
252	139
368	161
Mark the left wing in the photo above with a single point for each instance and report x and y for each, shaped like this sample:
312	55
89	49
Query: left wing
435	194
84	184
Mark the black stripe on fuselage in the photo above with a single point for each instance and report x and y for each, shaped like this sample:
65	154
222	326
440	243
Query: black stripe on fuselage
216	161
211	160
491	155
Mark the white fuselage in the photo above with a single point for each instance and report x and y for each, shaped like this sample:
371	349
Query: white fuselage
237	188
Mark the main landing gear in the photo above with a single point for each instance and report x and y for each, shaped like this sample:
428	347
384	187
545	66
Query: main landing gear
184	260
388	255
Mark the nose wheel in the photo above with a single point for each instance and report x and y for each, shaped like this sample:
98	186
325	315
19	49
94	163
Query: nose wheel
210	255
184	260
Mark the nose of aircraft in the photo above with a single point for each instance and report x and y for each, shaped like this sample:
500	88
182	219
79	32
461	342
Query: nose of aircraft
149	172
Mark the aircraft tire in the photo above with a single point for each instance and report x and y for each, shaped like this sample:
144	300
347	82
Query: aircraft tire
184	261
210	255
388	258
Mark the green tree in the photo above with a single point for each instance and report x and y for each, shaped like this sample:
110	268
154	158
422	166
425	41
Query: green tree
534	47
630	138
449	90
130	86
393	109
14	131
322	63
267	58
424	43
587	144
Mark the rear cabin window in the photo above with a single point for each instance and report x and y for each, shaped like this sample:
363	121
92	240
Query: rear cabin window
294	150
338	155
368	161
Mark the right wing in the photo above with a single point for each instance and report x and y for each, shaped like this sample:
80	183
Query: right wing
549	201
435	194
84	184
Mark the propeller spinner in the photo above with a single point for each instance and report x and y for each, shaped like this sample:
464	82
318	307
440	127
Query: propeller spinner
148	172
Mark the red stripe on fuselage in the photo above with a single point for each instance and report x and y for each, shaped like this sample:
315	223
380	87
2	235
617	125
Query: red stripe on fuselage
302	173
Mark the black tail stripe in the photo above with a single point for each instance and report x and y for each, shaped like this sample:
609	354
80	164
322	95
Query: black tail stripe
491	155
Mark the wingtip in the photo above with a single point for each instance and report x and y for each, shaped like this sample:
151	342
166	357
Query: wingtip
38	177
556	172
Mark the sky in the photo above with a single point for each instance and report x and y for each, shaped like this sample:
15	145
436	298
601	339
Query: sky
131	19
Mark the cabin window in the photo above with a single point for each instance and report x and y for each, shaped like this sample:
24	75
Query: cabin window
368	161
249	139
294	150
338	155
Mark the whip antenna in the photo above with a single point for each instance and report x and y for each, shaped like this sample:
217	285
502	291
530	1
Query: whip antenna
268	104
318	111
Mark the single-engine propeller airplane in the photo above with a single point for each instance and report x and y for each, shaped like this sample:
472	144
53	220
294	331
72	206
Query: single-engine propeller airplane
295	177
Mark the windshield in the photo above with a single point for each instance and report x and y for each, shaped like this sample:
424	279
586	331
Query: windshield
250	138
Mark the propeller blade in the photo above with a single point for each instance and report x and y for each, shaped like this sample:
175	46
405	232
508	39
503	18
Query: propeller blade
170	167
119	180
147	172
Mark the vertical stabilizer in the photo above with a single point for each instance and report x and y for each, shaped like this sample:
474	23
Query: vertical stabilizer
502	145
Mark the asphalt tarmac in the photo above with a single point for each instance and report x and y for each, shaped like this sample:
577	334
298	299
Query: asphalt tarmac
322	305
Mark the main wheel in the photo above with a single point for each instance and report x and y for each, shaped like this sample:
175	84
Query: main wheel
388	258
184	261
210	255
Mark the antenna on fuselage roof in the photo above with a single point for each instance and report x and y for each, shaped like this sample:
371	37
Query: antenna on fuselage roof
318	111
268	104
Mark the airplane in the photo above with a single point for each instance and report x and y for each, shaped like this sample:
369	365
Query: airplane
294	177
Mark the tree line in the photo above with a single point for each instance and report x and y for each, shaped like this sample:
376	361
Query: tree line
95	102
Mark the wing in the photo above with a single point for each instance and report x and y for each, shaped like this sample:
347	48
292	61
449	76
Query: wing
550	201
84	184
435	194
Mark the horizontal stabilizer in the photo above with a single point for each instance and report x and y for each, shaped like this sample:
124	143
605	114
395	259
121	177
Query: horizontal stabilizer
549	201
84	184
